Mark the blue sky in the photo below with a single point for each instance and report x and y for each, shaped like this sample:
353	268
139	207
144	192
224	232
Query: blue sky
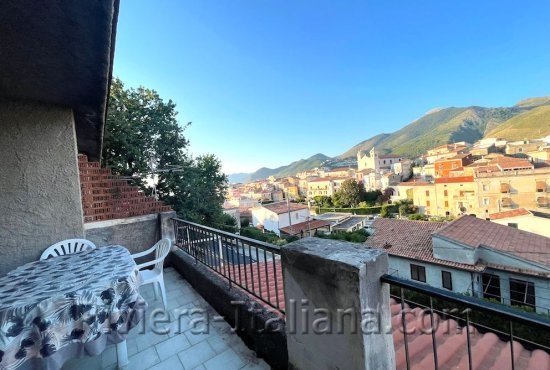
265	83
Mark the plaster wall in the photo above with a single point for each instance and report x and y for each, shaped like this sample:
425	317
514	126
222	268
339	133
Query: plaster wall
135	233
322	279
461	280
445	250
496	257
267	218
530	223
40	201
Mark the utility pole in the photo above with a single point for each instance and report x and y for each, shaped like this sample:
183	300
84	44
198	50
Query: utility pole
289	218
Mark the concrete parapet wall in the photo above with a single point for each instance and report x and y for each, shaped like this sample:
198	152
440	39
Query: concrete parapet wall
337	311
134	233
260	328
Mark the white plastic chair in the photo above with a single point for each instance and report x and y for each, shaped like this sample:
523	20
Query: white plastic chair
155	275
68	246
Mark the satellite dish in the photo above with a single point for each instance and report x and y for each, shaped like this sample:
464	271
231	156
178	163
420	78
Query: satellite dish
462	209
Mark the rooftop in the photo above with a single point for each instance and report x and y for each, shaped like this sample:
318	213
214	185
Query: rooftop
410	239
474	232
304	227
284	207
350	222
509	213
448	180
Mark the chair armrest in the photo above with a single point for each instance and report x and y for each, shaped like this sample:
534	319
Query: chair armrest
150	263
144	253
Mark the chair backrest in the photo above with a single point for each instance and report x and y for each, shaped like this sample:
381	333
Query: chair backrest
162	248
68	246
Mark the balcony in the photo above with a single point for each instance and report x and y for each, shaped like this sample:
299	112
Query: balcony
458	339
178	344
218	266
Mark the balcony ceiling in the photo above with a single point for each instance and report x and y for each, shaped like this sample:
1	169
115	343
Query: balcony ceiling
60	52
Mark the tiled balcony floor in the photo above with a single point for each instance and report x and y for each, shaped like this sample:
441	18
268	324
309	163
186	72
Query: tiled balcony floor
207	343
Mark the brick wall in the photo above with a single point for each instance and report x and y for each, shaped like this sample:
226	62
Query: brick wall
106	197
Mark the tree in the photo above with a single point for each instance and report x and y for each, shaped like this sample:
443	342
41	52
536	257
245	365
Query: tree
384	211
143	138
350	193
142	133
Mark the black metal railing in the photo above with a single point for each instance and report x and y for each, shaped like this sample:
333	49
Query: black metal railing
468	312
252	265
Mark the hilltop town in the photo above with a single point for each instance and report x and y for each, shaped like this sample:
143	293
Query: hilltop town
494	179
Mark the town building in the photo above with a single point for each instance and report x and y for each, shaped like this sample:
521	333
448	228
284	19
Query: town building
377	162
469	255
275	216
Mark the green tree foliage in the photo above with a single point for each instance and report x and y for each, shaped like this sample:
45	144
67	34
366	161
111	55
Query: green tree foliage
358	236
350	194
385	211
143	137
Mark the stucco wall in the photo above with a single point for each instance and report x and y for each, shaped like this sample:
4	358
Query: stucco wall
462	280
135	233
533	224
40	190
445	250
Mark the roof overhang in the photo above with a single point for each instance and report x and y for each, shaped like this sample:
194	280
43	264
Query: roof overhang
61	52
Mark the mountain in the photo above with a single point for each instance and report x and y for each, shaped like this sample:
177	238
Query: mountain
236	178
447	125
529	118
364	145
291	169
534	123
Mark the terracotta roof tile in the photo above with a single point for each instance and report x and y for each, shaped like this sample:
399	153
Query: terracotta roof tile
474	232
410	239
510	213
298	228
448	180
488	351
284	207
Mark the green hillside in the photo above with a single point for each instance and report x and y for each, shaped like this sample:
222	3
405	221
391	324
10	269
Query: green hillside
291	169
534	123
364	145
437	127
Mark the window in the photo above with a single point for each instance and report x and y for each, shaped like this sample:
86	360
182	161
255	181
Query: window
446	204
427	193
541	186
485	201
491	286
504	187
427	203
446	280
418	273
522	293
485	187
445	193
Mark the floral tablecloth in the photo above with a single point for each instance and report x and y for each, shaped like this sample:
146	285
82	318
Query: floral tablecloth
67	306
